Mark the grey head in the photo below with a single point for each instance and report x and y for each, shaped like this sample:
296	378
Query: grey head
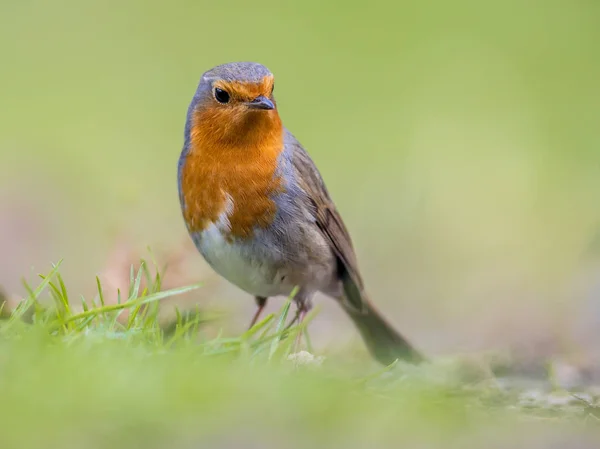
245	72
248	72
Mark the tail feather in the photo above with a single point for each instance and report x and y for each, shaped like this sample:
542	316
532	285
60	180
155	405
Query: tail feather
383	342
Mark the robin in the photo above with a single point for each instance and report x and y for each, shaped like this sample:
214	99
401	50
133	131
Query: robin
258	210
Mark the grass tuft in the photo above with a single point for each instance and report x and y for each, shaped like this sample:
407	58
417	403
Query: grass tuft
92	374
60	318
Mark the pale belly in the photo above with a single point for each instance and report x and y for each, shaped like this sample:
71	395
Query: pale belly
271	263
251	266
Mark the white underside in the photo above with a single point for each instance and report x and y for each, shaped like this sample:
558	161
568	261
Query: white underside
239	263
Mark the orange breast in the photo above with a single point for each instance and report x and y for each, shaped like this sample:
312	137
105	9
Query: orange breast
241	168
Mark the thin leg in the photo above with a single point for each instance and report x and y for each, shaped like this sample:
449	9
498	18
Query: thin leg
261	302
302	308
303	304
301	315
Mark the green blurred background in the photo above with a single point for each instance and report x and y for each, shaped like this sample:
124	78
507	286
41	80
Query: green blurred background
459	140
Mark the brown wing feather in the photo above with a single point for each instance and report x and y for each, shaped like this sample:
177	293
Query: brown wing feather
329	221
381	338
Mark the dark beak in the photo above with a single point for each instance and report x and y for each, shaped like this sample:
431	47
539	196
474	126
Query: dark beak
261	102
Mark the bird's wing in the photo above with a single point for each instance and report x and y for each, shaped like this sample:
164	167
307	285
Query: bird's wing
329	222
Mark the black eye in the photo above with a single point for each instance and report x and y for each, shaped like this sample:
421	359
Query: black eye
221	95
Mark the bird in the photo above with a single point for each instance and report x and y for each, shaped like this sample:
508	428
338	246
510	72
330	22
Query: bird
258	211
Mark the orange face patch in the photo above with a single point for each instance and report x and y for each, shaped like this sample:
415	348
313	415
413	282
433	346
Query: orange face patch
233	153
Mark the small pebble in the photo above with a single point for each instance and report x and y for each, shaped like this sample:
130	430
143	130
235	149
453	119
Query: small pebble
305	358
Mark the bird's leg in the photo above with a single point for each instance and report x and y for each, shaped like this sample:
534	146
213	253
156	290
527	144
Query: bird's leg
301	317
300	306
261	302
303	307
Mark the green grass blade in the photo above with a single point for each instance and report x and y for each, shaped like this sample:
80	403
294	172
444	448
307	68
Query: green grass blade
140	301
100	292
63	291
134	292
281	323
258	327
84	304
35	294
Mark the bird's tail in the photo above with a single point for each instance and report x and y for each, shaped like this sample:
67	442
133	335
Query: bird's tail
383	342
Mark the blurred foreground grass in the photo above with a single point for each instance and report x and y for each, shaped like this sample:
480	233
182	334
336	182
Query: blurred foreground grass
98	375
